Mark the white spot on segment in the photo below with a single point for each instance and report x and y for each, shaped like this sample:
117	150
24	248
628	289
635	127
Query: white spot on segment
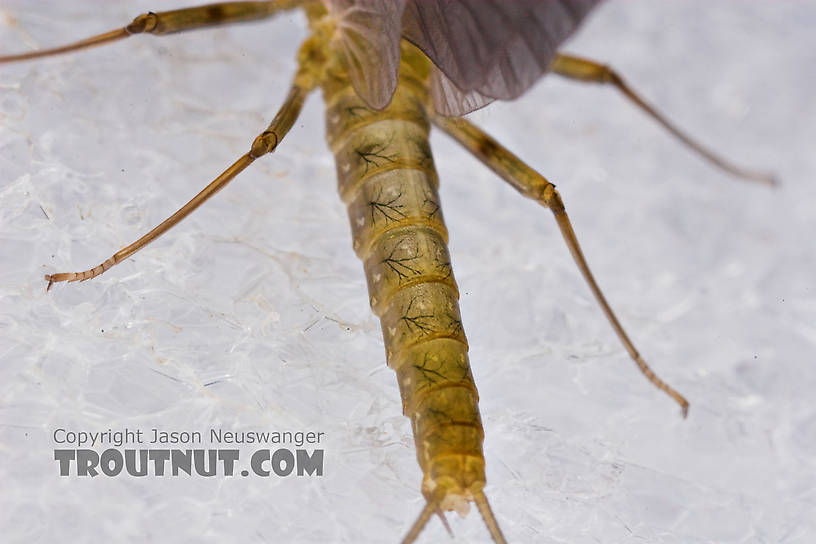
457	503
377	277
346	167
392	331
361	221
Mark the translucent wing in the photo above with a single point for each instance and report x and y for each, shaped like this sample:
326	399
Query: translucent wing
482	49
369	35
488	49
450	101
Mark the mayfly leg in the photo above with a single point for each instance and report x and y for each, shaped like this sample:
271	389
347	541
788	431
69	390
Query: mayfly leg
180	20
169	22
264	143
594	72
533	185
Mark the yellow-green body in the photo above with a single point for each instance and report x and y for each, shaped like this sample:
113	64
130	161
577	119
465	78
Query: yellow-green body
386	178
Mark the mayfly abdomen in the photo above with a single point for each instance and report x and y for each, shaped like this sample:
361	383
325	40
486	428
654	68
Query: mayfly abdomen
388	182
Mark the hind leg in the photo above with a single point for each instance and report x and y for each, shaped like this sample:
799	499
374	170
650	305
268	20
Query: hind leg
533	185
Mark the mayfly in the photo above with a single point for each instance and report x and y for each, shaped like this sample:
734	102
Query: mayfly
387	71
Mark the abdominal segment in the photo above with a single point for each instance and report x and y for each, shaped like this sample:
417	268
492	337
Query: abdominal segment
387	179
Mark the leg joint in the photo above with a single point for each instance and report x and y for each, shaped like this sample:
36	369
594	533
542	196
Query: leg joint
550	198
146	22
266	142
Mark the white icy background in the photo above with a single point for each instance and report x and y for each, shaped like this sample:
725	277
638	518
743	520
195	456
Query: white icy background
253	313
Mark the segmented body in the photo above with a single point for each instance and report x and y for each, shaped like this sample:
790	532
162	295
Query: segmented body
387	179
378	91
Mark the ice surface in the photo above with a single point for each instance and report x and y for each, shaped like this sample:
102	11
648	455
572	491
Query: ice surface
253	315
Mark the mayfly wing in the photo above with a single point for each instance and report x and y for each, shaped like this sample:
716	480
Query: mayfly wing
378	90
387	179
367	32
482	50
489	50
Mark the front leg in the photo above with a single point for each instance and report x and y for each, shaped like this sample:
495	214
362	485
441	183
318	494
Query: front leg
170	22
